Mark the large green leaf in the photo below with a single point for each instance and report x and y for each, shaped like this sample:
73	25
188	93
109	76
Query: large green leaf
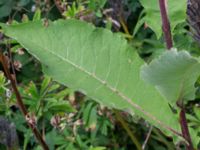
96	62
176	12
174	75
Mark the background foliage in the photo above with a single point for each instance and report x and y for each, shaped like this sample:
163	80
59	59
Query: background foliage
71	120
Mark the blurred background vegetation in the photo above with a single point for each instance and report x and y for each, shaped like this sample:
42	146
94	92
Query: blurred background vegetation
68	119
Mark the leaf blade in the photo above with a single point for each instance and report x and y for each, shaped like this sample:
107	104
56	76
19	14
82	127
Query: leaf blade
96	62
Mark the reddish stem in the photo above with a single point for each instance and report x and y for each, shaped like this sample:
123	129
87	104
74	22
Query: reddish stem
165	24
169	44
184	127
20	103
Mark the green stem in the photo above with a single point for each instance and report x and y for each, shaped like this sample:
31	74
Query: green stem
159	137
128	130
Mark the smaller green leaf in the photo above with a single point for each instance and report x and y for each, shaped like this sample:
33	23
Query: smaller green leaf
62	94
45	84
173	74
33	91
90	115
97	148
59	106
37	15
53	87
2	79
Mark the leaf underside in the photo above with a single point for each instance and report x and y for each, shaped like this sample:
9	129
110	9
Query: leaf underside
96	62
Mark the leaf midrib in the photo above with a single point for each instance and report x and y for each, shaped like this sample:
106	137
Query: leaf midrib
113	90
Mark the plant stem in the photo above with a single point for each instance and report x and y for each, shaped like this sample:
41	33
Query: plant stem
184	127
169	44
126	127
157	135
125	28
20	103
147	138
165	24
